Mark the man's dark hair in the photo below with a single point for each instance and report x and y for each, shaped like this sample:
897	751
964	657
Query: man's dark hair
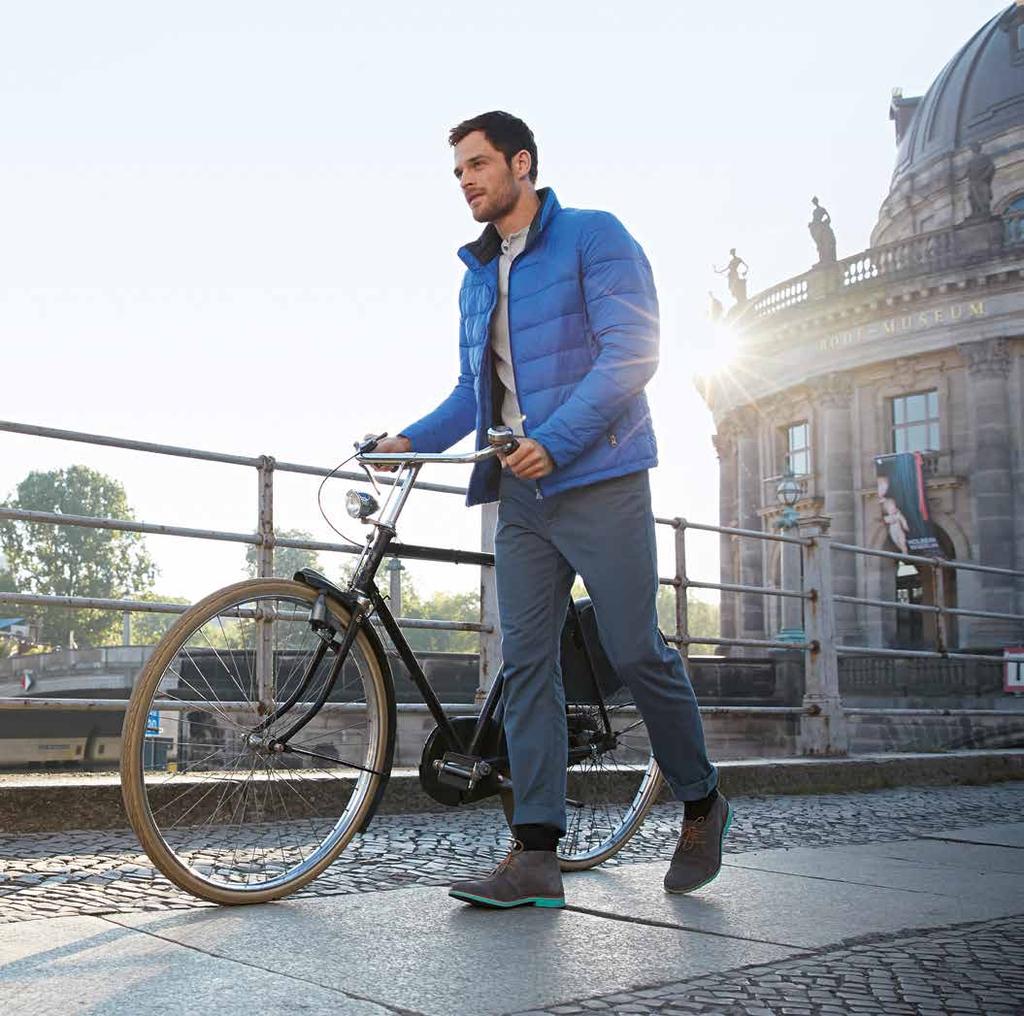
503	130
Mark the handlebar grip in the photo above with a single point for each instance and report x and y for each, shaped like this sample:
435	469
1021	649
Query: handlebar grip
369	443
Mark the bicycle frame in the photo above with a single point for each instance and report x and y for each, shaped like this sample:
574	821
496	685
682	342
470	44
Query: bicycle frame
369	601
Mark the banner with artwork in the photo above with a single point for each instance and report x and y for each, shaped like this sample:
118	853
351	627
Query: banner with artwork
904	504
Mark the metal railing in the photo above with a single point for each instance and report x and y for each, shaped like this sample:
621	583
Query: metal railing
822	714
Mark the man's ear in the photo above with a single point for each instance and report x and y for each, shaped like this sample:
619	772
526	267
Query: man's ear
522	163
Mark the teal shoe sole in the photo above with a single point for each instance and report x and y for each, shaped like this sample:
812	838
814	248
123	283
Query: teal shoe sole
526	901
700	885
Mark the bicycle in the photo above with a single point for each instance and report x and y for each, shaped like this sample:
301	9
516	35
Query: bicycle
274	704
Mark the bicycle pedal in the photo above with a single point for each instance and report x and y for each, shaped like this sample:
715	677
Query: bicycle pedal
462	771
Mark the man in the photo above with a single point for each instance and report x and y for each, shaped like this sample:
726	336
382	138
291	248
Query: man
559	335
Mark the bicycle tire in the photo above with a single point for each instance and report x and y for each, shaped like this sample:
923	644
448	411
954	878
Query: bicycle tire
295	844
613	778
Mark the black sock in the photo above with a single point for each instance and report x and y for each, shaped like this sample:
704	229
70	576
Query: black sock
537	837
699	808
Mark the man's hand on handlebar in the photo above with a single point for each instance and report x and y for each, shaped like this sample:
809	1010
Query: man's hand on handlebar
530	461
397	444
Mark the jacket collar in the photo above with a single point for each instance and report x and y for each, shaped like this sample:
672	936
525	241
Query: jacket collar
486	247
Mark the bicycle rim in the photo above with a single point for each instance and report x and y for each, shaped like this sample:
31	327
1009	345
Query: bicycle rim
219	810
611	790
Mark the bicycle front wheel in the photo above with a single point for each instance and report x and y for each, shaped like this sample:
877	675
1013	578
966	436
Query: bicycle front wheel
218	809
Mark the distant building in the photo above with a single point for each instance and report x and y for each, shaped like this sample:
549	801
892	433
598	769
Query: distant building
916	344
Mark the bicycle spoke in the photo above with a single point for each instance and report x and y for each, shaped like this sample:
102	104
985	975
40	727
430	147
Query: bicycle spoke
230	815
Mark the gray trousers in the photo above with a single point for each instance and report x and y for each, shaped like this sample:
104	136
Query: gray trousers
604	533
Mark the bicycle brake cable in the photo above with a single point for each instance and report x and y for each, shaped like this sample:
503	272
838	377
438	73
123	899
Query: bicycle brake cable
320	501
367	444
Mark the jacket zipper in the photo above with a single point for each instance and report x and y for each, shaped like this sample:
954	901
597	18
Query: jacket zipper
512	356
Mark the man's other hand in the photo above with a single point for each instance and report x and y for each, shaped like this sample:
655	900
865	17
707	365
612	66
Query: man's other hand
530	461
387	445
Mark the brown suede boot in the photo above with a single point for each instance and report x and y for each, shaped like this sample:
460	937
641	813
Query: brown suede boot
524	878
698	854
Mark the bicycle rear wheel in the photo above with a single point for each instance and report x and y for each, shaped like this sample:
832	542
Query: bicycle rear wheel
613	778
611	789
218	810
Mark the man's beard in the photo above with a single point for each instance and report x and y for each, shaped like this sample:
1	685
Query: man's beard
503	204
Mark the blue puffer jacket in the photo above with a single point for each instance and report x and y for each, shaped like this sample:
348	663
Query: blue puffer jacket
583	325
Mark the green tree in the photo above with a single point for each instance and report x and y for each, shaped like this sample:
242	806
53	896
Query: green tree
702	618
440	606
148	629
45	559
287	560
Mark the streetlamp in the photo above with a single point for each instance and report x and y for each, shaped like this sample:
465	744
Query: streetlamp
788	492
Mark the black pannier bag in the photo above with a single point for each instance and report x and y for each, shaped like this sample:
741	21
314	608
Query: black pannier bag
580	640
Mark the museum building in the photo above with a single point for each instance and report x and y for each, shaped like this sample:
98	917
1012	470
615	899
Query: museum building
914	345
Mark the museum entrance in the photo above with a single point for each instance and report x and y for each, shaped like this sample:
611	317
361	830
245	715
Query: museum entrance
916	586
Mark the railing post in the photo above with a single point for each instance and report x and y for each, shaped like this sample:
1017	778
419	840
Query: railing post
490	642
823	723
265	570
395	570
941	630
681	588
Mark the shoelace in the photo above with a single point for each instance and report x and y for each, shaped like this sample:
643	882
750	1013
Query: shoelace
692	834
516	849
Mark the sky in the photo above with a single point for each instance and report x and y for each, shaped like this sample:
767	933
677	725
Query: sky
233	226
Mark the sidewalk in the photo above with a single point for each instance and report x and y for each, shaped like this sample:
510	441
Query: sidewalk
933	922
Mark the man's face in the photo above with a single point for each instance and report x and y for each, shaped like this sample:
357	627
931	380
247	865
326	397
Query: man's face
488	183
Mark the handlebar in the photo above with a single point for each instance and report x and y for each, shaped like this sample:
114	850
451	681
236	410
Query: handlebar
500	439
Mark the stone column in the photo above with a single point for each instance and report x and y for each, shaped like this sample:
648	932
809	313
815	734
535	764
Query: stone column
991	488
750	615
835	469
725	446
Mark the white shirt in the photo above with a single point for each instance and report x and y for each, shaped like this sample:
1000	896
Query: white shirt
511	415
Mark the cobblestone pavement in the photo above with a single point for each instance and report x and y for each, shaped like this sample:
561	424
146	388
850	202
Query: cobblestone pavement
968	969
102	872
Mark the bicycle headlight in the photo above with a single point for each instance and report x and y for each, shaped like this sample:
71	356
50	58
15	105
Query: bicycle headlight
359	504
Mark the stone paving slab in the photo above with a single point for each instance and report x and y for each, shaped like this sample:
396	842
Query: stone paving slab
855	866
417	949
79	965
950	854
1007	834
798	910
970	970
636	951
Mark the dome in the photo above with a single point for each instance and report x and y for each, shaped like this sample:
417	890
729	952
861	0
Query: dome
979	94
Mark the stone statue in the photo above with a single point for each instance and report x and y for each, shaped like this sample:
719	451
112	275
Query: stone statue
715	309
980	171
820	227
737	282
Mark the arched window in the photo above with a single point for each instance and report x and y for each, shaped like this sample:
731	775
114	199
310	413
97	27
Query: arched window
915	585
1013	221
